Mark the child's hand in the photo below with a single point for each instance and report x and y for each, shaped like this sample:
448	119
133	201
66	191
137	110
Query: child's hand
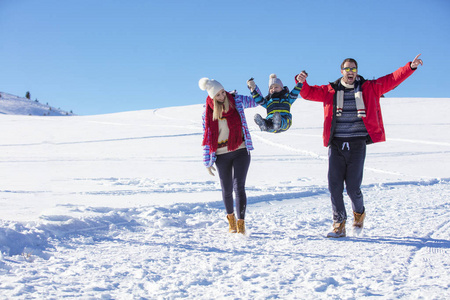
251	84
302	76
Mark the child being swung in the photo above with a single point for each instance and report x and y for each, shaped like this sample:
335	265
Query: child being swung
277	103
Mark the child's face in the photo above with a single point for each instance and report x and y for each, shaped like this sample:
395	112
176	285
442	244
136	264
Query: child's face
275	88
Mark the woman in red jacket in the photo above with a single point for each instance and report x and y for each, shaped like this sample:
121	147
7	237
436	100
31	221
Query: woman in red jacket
352	119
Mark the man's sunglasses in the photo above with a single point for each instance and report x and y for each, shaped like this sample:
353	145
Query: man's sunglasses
348	69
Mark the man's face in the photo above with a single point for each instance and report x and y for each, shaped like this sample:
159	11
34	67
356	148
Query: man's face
349	71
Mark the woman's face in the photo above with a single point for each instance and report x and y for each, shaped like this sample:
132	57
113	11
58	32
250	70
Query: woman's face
220	96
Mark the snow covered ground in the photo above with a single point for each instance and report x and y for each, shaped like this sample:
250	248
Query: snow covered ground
15	105
120	206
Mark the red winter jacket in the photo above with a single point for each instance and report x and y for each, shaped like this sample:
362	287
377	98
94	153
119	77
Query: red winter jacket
372	91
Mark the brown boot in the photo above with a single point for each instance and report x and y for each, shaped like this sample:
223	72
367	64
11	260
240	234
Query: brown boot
358	222
232	221
338	230
241	226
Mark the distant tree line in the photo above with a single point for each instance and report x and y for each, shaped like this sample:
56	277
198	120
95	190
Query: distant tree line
28	96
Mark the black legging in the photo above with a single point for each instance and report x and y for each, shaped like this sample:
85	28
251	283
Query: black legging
232	168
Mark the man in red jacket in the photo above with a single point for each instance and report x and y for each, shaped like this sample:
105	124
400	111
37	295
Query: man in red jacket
352	119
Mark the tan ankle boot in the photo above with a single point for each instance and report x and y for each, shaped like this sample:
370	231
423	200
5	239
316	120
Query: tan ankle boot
338	230
241	226
358	221
232	221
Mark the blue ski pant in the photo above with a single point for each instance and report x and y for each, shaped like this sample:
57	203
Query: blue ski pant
232	168
286	123
346	165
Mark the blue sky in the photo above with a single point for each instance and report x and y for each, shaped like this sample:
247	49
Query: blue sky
96	57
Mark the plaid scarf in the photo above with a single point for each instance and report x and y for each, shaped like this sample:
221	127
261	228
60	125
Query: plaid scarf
234	124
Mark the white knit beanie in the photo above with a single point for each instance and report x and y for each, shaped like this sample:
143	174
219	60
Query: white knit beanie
273	79
210	85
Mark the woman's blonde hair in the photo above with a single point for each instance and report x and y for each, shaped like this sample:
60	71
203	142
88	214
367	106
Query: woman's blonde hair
220	108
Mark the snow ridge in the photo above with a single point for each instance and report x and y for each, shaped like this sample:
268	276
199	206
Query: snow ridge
15	105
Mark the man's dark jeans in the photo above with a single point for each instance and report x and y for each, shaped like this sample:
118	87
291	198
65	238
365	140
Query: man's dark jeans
346	164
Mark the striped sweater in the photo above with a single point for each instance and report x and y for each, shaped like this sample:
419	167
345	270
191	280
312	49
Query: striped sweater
349	125
278	102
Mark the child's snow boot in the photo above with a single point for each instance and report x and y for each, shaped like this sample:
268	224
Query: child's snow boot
261	122
232	222
358	221
276	121
241	226
338	230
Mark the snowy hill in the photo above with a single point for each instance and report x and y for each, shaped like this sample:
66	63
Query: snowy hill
120	206
15	105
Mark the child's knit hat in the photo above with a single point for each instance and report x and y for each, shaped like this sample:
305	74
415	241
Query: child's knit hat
273	79
210	85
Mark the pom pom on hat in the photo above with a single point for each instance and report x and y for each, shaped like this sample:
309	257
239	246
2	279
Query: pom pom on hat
210	85
273	79
202	83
